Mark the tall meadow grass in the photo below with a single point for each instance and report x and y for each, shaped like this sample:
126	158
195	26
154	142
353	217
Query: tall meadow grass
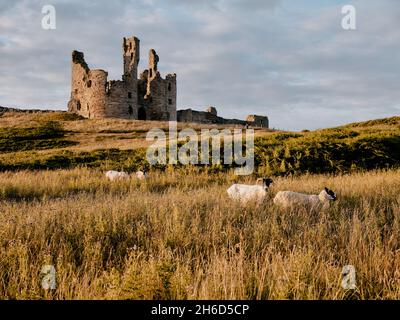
178	236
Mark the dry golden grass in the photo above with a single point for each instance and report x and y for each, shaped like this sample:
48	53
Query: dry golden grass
177	236
93	134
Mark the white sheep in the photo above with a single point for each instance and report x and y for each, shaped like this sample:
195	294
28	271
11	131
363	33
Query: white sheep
141	175
287	199
121	175
245	193
116	175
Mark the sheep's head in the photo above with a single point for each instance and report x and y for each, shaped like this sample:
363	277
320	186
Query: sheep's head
330	194
265	182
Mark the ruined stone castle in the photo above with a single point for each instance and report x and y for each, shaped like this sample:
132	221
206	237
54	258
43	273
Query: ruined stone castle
149	97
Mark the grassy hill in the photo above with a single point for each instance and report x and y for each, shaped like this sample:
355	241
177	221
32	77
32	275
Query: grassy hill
65	140
61	140
359	146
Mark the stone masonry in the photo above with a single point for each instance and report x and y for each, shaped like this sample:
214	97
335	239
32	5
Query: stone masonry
149	97
210	117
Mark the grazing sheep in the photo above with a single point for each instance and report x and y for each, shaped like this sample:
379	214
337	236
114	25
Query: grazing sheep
245	193
116	175
119	175
288	199
141	175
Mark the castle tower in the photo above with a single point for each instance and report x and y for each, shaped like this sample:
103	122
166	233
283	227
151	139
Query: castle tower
123	97
88	96
149	98
152	75
131	55
153	63
160	96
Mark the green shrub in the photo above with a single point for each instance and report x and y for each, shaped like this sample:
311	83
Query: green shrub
46	136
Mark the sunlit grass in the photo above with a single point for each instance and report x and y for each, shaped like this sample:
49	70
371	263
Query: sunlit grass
178	236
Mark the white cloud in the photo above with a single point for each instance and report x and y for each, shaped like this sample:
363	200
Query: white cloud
291	61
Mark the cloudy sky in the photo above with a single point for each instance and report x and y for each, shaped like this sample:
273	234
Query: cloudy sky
290	60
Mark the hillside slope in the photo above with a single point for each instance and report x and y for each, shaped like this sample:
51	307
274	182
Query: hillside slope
62	140
366	145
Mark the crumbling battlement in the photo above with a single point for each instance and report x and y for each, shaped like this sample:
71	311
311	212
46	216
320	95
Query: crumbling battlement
210	117
148	98
257	121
